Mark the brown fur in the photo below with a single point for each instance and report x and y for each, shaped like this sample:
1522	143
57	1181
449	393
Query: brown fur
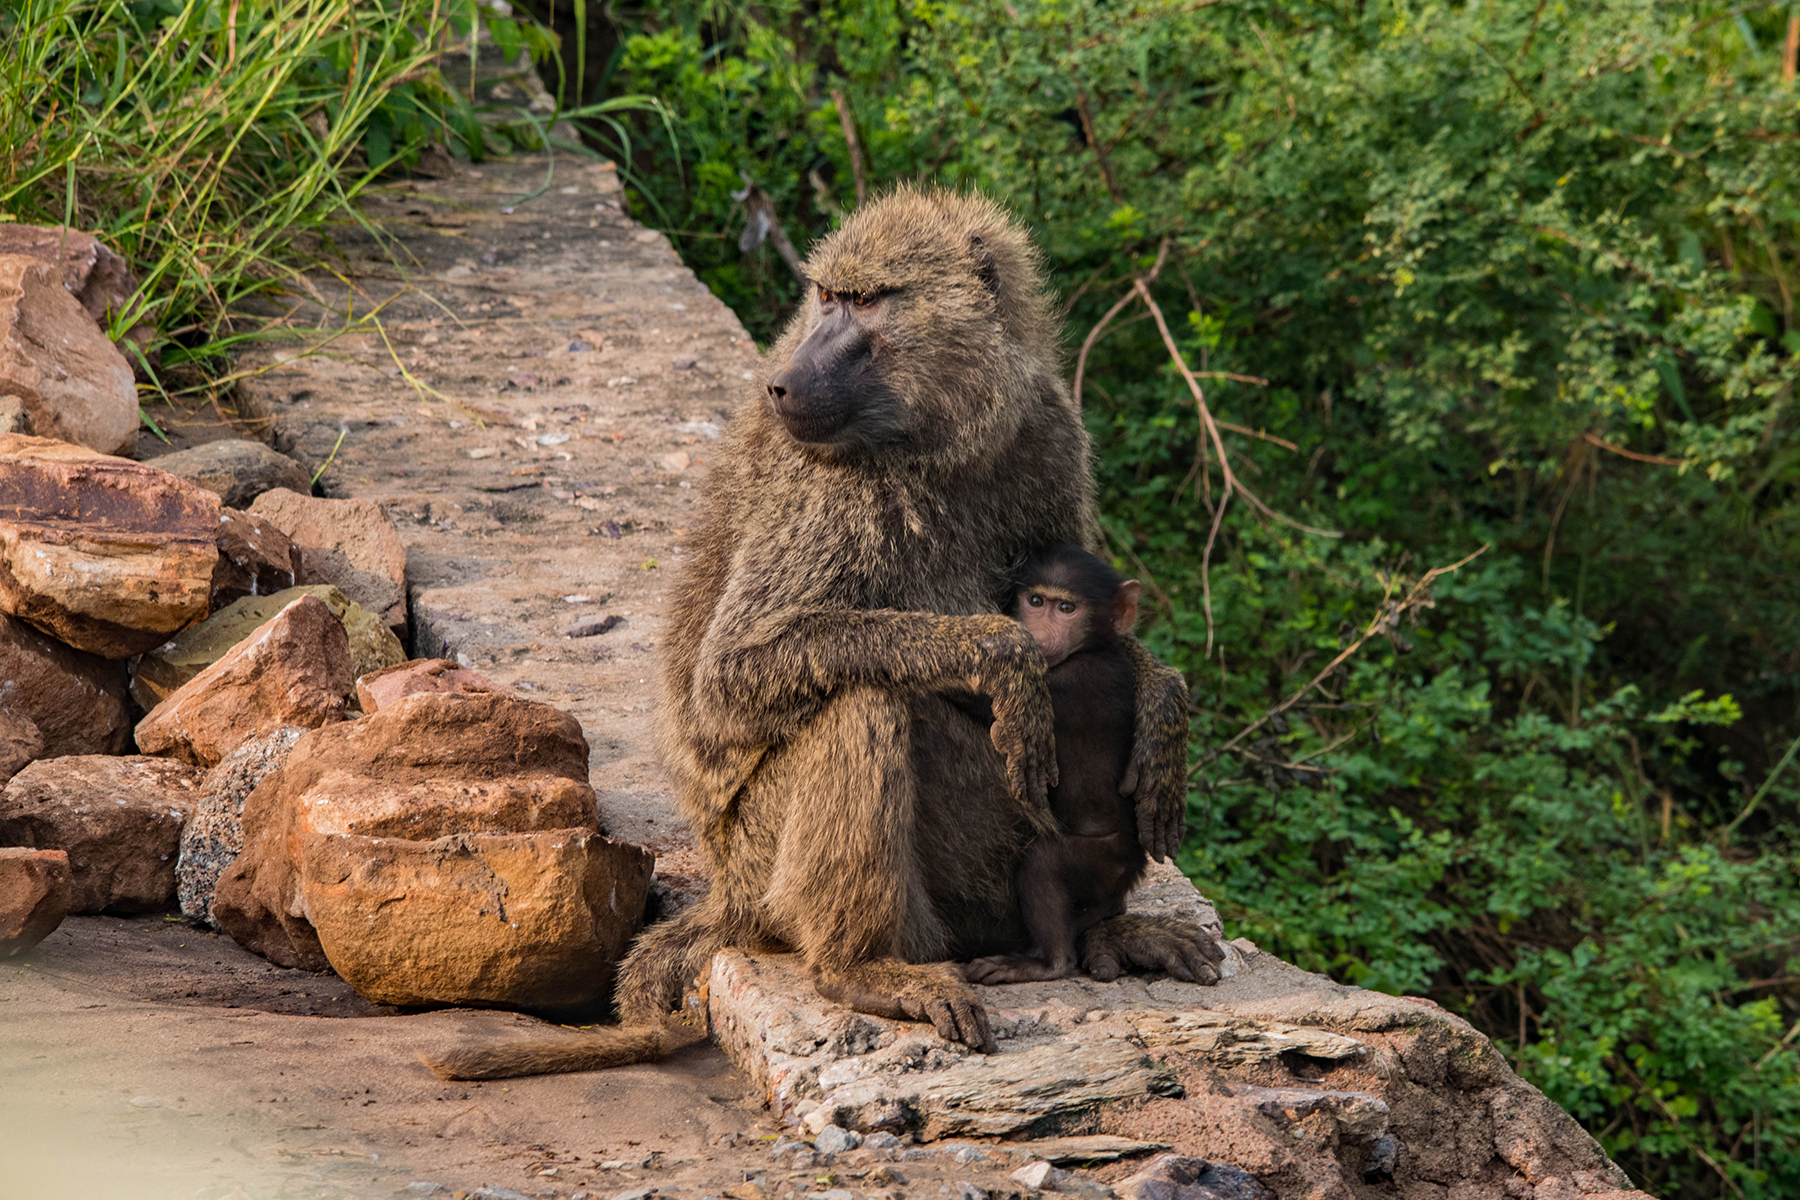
836	594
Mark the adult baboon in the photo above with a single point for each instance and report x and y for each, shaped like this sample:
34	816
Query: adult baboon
845	581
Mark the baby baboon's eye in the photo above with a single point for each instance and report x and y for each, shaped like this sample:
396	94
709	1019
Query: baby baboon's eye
1066	606
1035	601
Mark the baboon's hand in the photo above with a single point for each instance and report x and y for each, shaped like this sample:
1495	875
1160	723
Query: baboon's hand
1012	677
1156	778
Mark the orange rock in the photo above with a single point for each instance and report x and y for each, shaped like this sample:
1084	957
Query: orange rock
527	920
255	558
105	554
378	689
425	766
34	897
293	670
76	700
20	743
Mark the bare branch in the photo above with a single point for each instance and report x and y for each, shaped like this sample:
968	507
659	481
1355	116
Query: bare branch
1633	455
856	154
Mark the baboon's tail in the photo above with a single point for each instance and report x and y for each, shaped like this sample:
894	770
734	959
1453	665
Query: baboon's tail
651	979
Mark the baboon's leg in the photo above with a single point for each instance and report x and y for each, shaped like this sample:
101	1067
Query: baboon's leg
1143	943
1045	877
846	890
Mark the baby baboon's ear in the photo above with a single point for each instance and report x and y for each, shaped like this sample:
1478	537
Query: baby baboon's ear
1125	607
986	269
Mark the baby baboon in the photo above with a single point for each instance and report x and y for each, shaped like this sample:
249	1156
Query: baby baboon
1079	611
845	582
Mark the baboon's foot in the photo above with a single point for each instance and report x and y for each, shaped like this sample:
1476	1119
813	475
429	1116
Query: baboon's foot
1139	943
1015	968
934	992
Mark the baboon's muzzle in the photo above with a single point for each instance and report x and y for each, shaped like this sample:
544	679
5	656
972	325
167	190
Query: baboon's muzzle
831	390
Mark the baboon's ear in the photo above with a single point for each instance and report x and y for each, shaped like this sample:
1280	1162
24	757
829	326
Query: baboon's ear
1125	607
986	269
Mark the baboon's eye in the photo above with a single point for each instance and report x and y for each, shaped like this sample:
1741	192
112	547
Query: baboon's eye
1066	606
863	299
824	296
1035	601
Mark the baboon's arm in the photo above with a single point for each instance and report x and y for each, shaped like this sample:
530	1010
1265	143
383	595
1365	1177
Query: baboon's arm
756	683
1157	776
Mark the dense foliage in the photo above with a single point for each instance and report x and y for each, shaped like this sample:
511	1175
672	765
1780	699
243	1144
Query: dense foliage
1508	273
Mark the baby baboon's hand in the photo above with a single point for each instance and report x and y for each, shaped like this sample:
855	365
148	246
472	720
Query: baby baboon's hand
1011	676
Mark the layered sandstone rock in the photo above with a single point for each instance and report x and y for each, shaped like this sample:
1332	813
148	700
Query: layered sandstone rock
426	767
378	689
350	543
236	470
34	896
293	669
107	555
213	837
99	279
160	672
76	700
118	818
531	920
65	378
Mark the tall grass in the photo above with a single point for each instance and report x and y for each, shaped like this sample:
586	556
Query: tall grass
205	139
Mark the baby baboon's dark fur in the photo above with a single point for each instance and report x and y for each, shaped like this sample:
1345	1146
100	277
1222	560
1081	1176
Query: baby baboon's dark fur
846	579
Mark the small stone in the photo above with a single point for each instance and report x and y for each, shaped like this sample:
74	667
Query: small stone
381	688
69	381
421	1187
967	1154
1039	1176
884	1175
579	347
236	470
350	543
1180	1177
146	1102
683	364
834	1139
103	554
636	1194
35	893
834	1194
255	558
118	818
880	1140
292	670
586	629
677	461
964	1190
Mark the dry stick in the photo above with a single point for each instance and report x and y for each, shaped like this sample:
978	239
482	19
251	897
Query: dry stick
1162	255
1383	613
1633	455
856	157
1093	141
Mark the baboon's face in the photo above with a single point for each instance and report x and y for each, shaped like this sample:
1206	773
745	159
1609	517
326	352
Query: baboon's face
834	390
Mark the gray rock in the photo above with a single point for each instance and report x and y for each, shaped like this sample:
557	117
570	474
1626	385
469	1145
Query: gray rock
497	1193
880	1140
1039	1176
213	836
238	471
834	1139
967	1154
636	1194
964	1190
423	1188
1178	1177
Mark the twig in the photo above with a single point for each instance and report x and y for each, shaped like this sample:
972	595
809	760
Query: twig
1162	254
1725	838
1093	141
1633	455
1387	615
856	155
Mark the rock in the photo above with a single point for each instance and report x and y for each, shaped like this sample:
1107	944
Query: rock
378	689
105	554
69	380
76	700
255	559
93	273
834	1139
294	669
350	543
118	818
34	896
212	838
424	767
20	743
528	920
1177	1177
161	671
1039	1176
236	470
